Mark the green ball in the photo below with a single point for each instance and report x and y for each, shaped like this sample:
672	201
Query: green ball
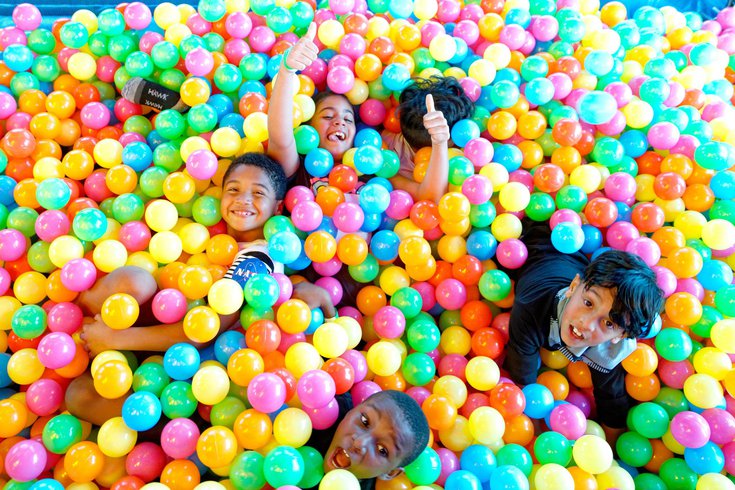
177	400
246	471
540	207
677	475
23	219
3	161
127	207
168	156
190	43
138	124
262	7
301	15
23	81
494	285
53	193
151	181
377	90
418	369
650	420
111	22
283	466
482	215
61	433
90	224
422	58
41	41
202	118
391	164
253	67
121	46
674	344
165	55
425	469
212	10
249	315
649	481
214	42
261	291
460	168
206	210
46	68
365	272
634	449
279	20
39	259
186	209
423	335
73	35
226	412
28	321
408	300
313	467
307	139
703	327
121	77
172	79
515	455
552	447
277	224
150	377
99	44
106	207
449	318
571	197
671	400
725	300
170	124
227	78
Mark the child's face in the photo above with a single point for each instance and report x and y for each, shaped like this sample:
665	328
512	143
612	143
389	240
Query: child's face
334	120
586	320
248	200
370	441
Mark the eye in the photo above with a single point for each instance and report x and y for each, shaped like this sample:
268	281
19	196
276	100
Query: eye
610	325
588	303
364	420
382	450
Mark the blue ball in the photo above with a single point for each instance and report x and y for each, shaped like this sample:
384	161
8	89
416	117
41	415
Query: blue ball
478	460
319	162
396	75
137	155
723	184
592	239
567	237
539	401
508	478
481	244
47	484
368	160
596	107
368	136
384	245
462	480
374	198
4	378
509	156
706	459
141	411
284	247
228	343
181	361
714	275
463	131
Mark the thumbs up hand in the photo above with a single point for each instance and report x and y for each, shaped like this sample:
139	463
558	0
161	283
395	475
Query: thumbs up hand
303	53
435	123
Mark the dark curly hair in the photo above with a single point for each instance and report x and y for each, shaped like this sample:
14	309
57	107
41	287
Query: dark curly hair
272	169
449	98
638	299
409	412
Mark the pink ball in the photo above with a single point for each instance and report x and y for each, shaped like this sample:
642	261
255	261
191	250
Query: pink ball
372	112
316	388
341	60
328	268
513	36
564	216
56	350
199	62
146	461
581	401
544	28
267	392
620	186
25	460
12	35
690	429
451	294
348	217
317	71
362	390
511	253
728	450
323	417
448	11
562	85
5	281
721	423
296	195
389	322
8	106
428	294
307	216
44	397
289	339
646	249
471	87
331	286
148	40
620	233
198	25
341	7
137	15
202	164
236	49
262	39
674	374
352	45
620	91
238	25
65	317
418	393
477	188
51	224
663	135
467	31
179	438
124	109
169	305
285	287
691	286
479	151
400	205
569	421
135	235
449	464
12	244
358	362
128	138
453	365
665	280
340	80
614	126
19	120
95	115
471	12
27	17
78	275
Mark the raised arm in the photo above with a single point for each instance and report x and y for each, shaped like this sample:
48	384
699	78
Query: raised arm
281	142
436	180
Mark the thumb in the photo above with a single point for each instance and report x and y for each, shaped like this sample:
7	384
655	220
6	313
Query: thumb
311	32
430	103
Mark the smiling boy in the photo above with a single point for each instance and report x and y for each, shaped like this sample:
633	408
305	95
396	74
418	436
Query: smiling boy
589	311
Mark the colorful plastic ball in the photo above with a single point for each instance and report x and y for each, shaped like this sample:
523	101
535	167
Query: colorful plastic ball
25	460
508	476
120	311
592	454
181	361
141	411
567	237
56	350
217	447
266	392
210	385
539	401
339	480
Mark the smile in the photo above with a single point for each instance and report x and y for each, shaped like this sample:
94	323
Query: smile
240	213
576	333
340	459
337	136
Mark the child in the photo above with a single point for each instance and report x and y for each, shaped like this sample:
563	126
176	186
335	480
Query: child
253	188
334	121
375	439
590	311
427	109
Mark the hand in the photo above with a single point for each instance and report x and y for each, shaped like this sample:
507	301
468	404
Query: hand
315	297
435	123
97	336
303	53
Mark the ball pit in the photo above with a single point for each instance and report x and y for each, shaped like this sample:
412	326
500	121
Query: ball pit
617	131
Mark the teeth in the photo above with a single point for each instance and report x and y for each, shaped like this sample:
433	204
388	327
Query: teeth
341	458
576	332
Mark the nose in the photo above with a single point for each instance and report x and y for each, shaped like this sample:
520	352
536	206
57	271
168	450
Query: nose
360	443
244	197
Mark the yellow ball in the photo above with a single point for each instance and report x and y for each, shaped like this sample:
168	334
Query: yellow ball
65	248
120	311
177	33
113	379
442	47
225	296
514	196
592	454
703	391
115	439
486	425
292	427
161	215
616	477
165	247
82	66
330	32
8	306
498	54
255	127
179	188
723	335
714	481
414	250
451	248
109	255
377	26
30	287
712	362
506	226
458	437
383	358
194	238
425	9
452	388
225	142
306	106
718	234
24	367
552	476
497	174
339	480
103	357
194	91
352	328
394	278
587	177
48	168
108	152
483	71
638	114
456	340
302	357
454	206
201	324
210	385
482	373
166	15
331	340
87	18
691	223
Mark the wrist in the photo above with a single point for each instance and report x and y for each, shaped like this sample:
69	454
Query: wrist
284	62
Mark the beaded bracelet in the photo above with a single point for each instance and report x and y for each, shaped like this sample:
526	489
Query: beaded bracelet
285	63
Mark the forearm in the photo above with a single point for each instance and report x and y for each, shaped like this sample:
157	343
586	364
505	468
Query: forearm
611	397
281	142
522	367
436	180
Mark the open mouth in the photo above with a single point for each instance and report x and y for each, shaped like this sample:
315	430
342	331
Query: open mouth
340	459
242	213
576	333
337	136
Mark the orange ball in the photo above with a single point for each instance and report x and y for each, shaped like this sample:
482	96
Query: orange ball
370	299
84	462
683	308
253	429
579	375
643	361
685	262
556	383
180	474
642	388
518	430
440	413
244	365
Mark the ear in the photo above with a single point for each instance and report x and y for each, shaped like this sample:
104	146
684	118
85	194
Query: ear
279	207
391	474
575	282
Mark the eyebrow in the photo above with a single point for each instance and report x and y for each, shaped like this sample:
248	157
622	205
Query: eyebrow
236	181
329	107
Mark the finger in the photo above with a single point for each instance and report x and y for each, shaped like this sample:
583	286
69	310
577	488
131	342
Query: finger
430	103
311	32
